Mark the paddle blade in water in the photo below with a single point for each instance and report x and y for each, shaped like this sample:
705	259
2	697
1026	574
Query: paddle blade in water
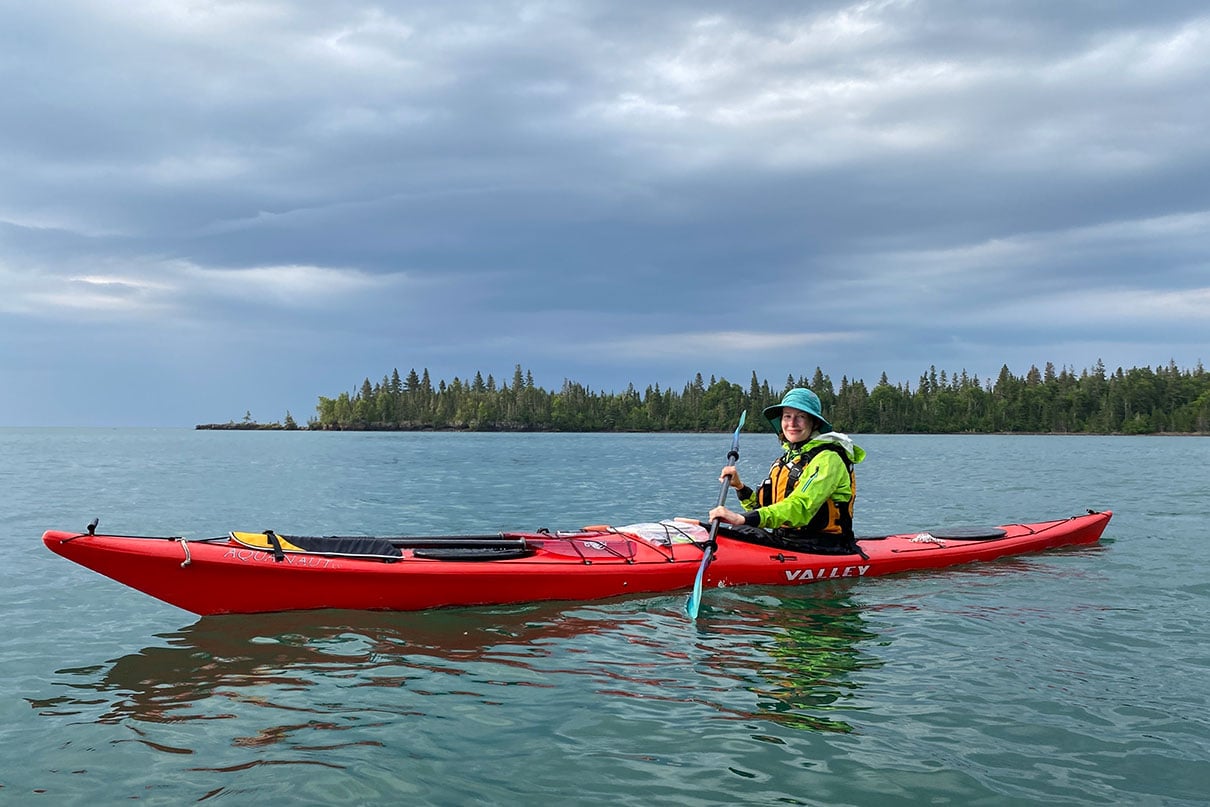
695	599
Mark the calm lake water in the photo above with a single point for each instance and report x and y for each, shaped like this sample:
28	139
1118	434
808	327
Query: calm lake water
1072	677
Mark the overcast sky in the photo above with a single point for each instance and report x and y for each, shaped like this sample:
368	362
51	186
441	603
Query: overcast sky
208	208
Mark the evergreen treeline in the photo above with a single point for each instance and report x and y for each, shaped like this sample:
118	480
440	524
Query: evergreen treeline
1135	401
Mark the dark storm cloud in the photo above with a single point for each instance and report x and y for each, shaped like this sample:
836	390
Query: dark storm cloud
609	192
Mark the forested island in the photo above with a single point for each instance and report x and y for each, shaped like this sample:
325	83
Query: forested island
1163	400
248	424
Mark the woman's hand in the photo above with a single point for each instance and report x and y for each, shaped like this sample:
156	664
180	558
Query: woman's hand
727	516
731	470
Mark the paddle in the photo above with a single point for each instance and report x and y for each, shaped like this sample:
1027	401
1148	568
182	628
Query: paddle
695	599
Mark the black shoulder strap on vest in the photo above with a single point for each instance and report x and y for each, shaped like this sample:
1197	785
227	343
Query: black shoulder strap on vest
833	447
794	469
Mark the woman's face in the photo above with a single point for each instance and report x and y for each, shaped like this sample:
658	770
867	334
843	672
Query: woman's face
796	424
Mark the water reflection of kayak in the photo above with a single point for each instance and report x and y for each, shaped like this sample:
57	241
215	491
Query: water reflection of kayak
273	675
206	669
264	572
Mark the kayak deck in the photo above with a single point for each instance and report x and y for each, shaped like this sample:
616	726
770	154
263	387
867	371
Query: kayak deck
247	572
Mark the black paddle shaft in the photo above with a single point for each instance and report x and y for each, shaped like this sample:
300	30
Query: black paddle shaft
732	458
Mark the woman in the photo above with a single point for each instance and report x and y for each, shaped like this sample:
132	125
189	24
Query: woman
806	502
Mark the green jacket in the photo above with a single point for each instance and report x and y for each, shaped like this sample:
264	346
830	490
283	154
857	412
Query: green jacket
824	477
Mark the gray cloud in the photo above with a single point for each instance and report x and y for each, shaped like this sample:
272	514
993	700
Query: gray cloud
198	197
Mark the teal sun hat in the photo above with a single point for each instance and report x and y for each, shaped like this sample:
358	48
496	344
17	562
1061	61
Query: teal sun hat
798	398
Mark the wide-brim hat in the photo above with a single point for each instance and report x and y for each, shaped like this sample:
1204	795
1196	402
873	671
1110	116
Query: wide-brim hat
802	399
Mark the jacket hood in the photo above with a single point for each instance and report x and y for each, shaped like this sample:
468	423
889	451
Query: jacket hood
855	452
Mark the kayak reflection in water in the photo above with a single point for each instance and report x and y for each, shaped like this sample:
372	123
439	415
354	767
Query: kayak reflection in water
806	502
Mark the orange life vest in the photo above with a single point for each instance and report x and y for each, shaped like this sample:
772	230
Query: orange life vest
834	518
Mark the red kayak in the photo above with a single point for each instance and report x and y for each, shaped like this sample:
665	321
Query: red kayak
243	573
